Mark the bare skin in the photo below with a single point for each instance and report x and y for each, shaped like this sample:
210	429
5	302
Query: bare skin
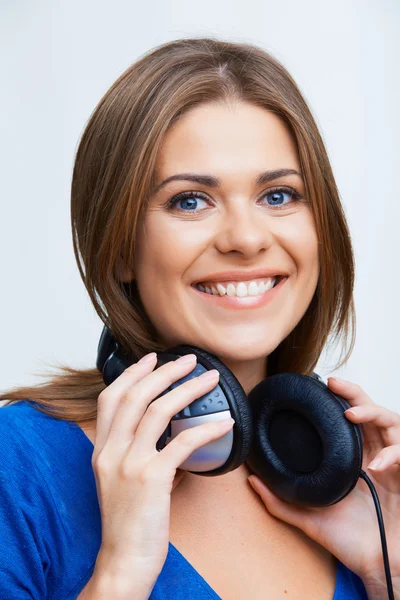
233	227
226	519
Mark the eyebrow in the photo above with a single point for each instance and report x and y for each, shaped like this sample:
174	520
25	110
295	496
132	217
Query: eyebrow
214	182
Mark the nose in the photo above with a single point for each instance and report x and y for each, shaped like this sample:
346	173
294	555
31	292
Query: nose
244	230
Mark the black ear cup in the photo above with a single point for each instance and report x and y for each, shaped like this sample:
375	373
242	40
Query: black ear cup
111	361
304	448
229	394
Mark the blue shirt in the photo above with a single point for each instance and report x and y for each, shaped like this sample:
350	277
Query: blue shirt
50	523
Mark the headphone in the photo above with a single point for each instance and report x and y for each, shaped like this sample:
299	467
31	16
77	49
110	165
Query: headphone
290	430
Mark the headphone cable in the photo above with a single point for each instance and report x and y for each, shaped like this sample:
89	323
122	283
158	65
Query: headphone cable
367	480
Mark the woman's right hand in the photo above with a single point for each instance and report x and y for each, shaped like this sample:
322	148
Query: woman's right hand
134	480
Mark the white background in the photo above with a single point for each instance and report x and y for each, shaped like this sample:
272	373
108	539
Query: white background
58	59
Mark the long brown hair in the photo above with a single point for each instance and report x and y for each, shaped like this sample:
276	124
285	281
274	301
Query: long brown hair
114	176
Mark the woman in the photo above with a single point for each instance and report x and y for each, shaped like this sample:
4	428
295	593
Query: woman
201	170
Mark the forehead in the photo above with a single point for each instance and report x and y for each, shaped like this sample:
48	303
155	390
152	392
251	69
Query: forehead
227	137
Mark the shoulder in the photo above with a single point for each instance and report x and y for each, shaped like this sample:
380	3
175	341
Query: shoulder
23	507
50	525
45	458
17	427
36	434
12	415
26	434
42	451
25	459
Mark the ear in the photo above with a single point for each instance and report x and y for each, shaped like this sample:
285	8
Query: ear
123	272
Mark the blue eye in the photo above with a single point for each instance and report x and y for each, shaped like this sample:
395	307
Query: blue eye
190	200
277	196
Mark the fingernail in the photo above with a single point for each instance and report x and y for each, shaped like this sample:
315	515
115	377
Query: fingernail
186	359
228	421
339	380
210	375
356	410
375	463
147	357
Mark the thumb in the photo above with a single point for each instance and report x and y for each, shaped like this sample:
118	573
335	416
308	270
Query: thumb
179	475
298	516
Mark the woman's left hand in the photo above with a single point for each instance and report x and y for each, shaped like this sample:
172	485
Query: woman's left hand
349	529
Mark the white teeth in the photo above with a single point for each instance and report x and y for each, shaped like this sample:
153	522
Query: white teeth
241	290
221	289
253	289
268	286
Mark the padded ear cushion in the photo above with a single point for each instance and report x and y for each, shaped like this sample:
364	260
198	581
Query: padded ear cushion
304	448
238	403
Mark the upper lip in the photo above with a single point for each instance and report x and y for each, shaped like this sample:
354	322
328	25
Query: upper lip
241	275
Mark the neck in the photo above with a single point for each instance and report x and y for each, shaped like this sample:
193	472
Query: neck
249	373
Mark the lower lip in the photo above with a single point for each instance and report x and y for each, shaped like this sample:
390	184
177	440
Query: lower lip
246	302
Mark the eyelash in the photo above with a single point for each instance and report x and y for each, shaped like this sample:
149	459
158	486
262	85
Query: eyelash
182	195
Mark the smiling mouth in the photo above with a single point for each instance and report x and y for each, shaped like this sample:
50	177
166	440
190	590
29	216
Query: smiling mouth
240	289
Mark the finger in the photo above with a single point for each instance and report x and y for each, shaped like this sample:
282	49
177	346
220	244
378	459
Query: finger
110	397
356	396
352	392
134	403
189	440
161	411
386	458
179	476
387	420
302	517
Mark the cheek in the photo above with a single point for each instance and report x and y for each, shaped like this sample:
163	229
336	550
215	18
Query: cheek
166	248
159	247
300	240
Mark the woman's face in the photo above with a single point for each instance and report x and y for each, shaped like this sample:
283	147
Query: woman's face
236	224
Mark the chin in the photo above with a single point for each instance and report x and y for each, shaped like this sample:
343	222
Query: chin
240	351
